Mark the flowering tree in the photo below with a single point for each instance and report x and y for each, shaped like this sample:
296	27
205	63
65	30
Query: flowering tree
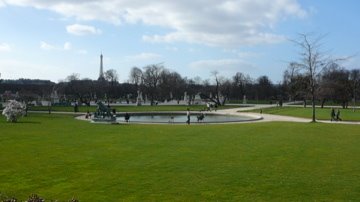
14	110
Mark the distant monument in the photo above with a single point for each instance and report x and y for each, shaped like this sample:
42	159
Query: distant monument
244	99
101	74
197	99
171	96
54	97
139	98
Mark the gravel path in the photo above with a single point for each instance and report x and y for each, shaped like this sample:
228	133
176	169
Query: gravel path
266	117
271	117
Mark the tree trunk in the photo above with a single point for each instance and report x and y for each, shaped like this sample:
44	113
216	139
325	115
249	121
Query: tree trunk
313	105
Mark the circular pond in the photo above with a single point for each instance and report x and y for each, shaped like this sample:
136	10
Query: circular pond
181	118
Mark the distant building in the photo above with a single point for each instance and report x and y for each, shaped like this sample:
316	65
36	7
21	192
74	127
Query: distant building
101	74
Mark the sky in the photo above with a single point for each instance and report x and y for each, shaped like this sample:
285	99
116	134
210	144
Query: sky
52	39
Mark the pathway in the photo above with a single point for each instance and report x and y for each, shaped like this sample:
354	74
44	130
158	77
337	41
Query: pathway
266	117
272	117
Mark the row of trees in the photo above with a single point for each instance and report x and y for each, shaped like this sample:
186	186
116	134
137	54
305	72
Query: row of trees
157	83
335	83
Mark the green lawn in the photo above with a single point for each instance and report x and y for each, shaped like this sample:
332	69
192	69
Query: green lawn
59	157
129	108
321	113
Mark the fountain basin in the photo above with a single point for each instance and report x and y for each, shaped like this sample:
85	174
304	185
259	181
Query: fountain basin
181	118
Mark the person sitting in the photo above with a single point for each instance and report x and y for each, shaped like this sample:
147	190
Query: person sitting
88	115
171	119
200	117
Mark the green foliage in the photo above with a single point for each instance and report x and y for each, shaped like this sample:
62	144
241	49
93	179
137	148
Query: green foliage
57	156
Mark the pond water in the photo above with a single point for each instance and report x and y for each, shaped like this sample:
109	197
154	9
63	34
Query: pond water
181	118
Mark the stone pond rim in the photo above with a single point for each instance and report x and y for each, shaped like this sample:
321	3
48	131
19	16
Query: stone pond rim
179	117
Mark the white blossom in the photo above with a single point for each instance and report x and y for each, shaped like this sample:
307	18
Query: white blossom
14	110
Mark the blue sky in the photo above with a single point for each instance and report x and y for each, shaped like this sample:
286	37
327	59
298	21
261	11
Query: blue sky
51	39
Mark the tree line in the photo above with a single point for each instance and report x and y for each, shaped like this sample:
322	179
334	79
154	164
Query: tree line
158	84
313	78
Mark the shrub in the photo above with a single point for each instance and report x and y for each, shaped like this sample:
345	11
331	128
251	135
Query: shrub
32	198
14	110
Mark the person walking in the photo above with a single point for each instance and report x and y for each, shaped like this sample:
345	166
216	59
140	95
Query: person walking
188	116
338	115
332	114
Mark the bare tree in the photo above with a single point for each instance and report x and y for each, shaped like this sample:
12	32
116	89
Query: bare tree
73	77
152	79
136	76
111	76
215	74
312	61
220	89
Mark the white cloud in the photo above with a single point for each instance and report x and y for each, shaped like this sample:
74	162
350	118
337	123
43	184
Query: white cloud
46	46
226	23
50	47
4	47
81	30
144	56
2	4
67	46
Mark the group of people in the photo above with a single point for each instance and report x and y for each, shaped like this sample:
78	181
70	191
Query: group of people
335	116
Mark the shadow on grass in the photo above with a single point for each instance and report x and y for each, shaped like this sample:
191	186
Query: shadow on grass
29	122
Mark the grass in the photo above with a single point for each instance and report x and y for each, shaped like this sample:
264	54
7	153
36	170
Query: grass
327	103
59	157
130	108
321	113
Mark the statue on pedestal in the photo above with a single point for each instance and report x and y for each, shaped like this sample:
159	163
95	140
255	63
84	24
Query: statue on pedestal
103	113
139	98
